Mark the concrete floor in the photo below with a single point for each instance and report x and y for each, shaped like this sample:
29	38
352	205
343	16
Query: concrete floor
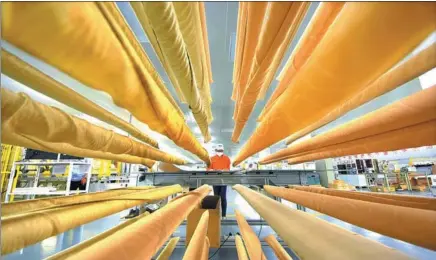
65	240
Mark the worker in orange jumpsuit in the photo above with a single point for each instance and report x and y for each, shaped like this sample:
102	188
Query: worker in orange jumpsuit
220	162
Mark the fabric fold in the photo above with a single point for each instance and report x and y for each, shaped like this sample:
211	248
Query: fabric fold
52	125
252	242
406	117
88	42
354	52
195	248
279	251
176	34
277	29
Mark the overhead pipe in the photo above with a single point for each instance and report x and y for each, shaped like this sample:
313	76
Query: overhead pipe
50	124
327	241
155	229
390	199
278	250
196	245
405	113
388	216
252	242
129	77
359	56
22	230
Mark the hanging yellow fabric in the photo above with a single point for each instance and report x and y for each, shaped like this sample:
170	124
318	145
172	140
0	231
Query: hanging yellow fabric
280	23
410	69
278	250
347	245
174	30
194	250
155	229
83	40
71	150
240	248
52	125
22	230
17	69
399	118
252	242
202	11
65	254
168	250
345	61
387	215
324	16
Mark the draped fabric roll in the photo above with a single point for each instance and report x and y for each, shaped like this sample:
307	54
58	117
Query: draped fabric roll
240	248
384	129
153	230
355	47
87	41
276	31
279	251
71	251
33	78
305	227
252	242
52	125
410	69
166	167
206	248
22	230
166	253
26	206
391	199
176	33
8	134
388	216
323	17
195	248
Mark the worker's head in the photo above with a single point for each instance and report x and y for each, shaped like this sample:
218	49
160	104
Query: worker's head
219	149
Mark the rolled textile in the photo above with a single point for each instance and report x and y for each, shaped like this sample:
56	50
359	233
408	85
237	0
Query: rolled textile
166	253
71	251
71	150
202	11
408	137
252	242
277	32
170	27
409	111
279	251
25	206
360	56
328	241
205	251
195	248
240	248
391	199
388	216
323	17
26	229
154	229
64	35
52	125
397	76
19	70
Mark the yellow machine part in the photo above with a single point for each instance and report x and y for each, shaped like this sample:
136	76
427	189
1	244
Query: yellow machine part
10	154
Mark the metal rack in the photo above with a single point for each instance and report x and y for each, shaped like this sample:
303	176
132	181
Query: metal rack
31	192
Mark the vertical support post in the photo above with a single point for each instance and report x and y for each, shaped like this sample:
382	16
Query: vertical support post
88	178
10	183
70	175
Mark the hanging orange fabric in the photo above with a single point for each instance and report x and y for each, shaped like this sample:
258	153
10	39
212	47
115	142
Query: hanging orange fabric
319	24
394	118
281	21
355	47
88	41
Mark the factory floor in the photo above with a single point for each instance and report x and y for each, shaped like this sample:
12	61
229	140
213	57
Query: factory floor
65	240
